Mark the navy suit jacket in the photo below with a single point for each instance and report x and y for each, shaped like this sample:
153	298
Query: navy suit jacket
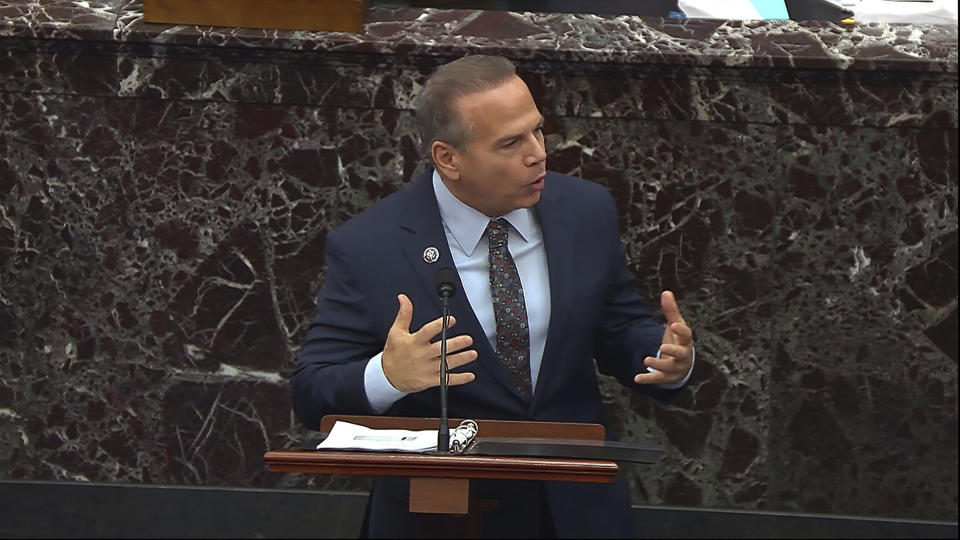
597	318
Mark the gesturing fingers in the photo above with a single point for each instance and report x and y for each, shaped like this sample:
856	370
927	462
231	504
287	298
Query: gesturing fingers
456	379
680	333
455	361
454	344
676	350
653	377
679	352
670	367
404	315
668	303
411	360
461	358
433	329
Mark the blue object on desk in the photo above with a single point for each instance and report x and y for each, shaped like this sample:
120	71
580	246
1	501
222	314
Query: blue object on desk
771	9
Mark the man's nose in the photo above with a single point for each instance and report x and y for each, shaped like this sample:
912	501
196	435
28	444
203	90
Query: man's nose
538	153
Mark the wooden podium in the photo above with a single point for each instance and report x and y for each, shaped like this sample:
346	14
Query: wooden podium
440	483
324	15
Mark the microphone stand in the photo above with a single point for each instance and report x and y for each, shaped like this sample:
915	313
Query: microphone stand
445	279
443	435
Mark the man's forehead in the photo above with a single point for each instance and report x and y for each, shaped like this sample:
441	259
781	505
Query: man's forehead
474	94
512	94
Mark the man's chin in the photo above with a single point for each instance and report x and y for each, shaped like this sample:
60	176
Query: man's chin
533	200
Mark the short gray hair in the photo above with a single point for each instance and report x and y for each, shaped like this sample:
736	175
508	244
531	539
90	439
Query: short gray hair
437	120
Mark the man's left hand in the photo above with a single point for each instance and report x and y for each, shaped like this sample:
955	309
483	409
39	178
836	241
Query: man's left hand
676	351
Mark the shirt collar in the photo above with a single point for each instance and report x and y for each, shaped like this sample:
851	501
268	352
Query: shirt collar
467	224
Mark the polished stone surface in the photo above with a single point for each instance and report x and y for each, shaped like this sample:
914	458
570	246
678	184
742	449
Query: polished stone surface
165	193
51	509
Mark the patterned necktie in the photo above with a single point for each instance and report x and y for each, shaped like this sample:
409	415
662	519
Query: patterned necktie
509	308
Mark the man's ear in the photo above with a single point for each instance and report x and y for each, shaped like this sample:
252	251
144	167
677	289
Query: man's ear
446	159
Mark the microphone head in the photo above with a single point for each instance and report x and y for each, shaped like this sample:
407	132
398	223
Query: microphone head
445	280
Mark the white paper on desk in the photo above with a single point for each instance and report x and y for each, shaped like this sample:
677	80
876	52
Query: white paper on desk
347	436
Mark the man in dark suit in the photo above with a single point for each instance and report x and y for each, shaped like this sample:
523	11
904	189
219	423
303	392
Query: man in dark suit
545	299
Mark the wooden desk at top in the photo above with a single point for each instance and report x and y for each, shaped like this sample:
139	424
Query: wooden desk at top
326	15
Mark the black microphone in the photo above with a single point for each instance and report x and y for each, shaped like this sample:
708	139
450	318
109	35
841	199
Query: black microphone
444	279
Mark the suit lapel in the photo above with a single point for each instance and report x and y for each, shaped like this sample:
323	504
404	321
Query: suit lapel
426	232
560	251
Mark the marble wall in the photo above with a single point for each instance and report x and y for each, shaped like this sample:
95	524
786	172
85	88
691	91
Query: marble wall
165	193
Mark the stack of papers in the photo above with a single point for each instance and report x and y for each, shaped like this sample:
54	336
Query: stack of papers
347	436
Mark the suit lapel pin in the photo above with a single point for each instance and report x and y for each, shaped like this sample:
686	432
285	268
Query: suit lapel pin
431	255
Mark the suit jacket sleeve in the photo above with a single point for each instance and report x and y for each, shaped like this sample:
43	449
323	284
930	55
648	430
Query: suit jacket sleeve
628	331
328	378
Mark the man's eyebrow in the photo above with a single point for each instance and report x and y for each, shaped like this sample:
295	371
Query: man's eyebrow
512	136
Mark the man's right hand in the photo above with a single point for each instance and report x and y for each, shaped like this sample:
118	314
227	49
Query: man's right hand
412	363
